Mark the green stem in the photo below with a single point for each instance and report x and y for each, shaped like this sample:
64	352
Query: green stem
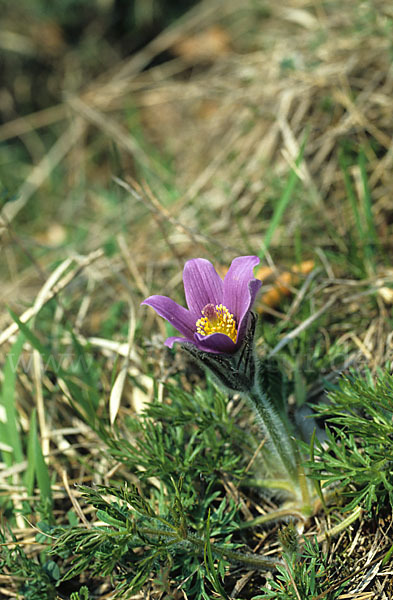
274	515
303	483
342	525
273	484
252	560
279	435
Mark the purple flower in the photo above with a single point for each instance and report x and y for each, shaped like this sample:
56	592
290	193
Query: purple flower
218	311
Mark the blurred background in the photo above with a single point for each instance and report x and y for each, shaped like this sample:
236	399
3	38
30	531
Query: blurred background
212	128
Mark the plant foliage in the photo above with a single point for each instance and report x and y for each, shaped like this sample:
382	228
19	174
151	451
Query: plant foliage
358	457
304	575
37	578
178	452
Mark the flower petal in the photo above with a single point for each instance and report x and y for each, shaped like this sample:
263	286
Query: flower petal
253	288
175	314
240	289
202	285
218	343
237	295
172	340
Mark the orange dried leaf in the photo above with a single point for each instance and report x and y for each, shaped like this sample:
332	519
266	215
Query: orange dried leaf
205	45
283	283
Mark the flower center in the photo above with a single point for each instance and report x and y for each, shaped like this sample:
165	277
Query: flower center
217	319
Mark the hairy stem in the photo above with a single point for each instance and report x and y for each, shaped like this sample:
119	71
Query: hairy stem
279	436
252	560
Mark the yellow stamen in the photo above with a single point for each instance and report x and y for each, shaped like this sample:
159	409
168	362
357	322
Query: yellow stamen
217	319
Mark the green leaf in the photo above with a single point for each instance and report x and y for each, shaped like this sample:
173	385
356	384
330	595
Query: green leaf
109	520
350	192
209	563
83	594
37	468
282	203
30	471
9	432
34	341
53	570
371	234
89	410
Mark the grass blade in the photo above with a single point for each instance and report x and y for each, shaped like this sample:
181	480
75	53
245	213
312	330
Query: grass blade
282	203
37	468
9	432
30	471
89	410
371	238
350	193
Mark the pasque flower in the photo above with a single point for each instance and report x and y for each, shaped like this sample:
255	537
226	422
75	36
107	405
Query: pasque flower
217	323
218	311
